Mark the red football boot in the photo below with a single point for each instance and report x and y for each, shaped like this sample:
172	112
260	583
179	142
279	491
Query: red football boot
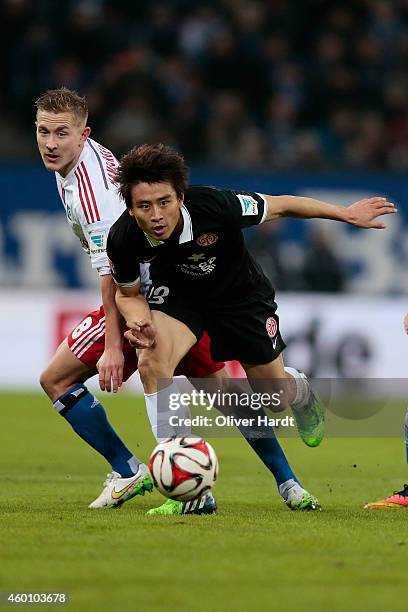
398	500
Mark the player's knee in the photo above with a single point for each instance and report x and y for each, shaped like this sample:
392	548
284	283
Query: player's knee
152	368
53	385
48	383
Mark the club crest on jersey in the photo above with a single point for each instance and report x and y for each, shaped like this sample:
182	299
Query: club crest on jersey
249	205
271	327
207	239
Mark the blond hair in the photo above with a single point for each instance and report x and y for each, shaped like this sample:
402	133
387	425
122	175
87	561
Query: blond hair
63	100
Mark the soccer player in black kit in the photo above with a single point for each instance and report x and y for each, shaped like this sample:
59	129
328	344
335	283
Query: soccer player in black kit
202	278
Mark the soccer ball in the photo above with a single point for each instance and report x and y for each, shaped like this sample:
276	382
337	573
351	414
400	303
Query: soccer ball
183	468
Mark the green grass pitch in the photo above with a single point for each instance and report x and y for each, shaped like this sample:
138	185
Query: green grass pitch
254	555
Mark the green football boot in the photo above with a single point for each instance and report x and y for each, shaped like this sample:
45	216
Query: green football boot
310	419
203	505
297	498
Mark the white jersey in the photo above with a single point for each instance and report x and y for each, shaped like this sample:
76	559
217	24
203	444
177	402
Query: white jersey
91	200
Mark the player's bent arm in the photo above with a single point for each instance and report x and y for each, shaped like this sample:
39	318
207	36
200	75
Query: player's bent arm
113	333
135	310
132	304
363	213
110	365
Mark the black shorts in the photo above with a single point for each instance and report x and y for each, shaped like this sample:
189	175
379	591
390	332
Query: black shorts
247	331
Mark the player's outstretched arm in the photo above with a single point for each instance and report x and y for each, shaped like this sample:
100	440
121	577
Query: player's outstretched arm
363	213
110	365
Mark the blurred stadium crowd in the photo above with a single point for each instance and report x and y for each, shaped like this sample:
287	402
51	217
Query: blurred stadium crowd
239	83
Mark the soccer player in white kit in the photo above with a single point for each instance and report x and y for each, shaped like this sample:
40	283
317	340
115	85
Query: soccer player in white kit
84	172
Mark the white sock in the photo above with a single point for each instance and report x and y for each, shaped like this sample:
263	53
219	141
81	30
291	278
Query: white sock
285	486
159	413
302	388
134	464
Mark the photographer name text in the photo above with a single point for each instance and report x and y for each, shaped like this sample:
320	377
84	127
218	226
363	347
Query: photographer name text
231	421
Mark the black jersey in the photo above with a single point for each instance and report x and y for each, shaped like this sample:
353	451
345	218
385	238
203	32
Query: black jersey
208	259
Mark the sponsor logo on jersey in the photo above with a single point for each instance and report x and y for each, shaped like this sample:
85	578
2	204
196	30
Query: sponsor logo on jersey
98	240
197	257
207	239
249	205
271	327
98	243
200	266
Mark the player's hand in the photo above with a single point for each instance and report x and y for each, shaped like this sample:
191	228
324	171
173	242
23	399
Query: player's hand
110	368
141	334
406	323
364	213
